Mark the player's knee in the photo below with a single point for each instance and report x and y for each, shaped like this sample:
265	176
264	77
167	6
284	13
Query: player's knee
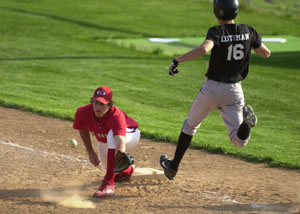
190	128
110	140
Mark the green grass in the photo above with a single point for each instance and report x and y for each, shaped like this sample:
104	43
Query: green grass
187	43
288	8
54	54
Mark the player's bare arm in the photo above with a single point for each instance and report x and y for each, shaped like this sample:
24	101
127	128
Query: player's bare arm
201	50
204	48
120	142
263	51
86	138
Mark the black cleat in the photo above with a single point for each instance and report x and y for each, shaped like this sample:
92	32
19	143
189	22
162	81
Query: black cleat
165	163
249	117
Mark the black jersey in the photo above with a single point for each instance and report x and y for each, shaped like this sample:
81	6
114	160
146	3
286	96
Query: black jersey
229	60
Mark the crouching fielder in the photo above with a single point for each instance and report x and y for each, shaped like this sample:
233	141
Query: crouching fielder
230	45
114	131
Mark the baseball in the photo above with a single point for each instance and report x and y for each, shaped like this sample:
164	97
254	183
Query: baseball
73	143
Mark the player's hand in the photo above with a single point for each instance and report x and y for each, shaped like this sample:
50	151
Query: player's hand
172	68
94	158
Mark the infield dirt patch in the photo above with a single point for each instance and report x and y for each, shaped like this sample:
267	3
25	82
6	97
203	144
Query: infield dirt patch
41	173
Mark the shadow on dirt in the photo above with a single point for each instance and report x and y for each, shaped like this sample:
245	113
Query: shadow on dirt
279	207
56	195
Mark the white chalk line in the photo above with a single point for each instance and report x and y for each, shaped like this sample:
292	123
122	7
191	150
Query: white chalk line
209	195
68	157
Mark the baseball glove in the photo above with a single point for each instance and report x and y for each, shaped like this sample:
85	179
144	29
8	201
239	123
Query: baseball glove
123	160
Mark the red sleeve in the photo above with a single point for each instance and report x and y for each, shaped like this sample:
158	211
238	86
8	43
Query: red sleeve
79	119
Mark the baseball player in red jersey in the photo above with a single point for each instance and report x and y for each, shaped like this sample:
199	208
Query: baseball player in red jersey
230	45
113	129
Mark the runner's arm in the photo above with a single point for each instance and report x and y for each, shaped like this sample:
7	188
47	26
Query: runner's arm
263	51
204	48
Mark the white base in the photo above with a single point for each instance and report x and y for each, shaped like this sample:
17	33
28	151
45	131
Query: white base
147	173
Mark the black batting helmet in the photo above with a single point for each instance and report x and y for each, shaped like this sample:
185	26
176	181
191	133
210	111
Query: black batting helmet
226	9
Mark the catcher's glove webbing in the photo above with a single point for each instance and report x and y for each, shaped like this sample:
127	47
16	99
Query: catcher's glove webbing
123	160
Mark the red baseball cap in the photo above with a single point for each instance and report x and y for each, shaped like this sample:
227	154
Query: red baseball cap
103	94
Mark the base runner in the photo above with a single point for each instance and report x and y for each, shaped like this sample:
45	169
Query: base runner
230	45
114	131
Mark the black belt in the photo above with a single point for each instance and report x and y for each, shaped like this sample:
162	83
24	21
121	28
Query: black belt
132	131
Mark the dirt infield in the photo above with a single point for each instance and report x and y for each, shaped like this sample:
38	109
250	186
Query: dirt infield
41	173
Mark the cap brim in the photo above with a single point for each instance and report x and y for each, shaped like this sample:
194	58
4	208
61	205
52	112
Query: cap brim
100	99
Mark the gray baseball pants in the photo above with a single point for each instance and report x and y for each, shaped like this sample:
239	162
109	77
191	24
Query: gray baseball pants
228	98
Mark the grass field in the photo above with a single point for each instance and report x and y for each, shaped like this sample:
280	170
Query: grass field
54	54
289	8
177	46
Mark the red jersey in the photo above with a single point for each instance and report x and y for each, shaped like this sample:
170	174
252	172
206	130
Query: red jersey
115	120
